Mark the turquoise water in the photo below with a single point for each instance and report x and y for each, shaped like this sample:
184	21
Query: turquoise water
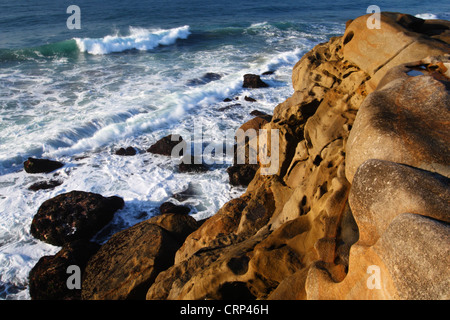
133	73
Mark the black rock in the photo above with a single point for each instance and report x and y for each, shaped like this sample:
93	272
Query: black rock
33	165
253	81
165	145
169	207
44	185
189	165
130	151
73	216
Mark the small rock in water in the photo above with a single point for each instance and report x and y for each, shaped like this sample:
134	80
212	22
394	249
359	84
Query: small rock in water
44	185
253	81
130	151
33	165
165	145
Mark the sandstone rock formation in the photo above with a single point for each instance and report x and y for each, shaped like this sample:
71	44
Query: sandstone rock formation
358	205
296	235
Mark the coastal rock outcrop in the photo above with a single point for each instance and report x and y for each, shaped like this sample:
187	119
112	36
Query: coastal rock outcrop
253	81
165	145
357	207
295	234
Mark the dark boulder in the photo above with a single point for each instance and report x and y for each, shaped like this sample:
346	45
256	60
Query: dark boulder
33	165
127	265
169	207
253	81
73	216
206	78
165	145
242	174
188	164
44	185
48	278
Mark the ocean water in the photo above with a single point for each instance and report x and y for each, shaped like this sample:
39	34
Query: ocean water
135	72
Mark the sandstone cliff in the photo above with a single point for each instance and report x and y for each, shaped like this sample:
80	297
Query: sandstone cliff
332	213
359	205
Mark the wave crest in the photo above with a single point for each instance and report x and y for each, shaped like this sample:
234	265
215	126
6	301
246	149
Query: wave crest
138	39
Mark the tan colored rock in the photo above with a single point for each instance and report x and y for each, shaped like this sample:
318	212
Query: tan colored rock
406	122
409	261
126	265
290	235
381	190
399	40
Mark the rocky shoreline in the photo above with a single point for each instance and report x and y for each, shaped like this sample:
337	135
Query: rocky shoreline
362	185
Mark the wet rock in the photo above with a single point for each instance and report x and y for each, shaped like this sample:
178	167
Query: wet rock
72	216
129	151
33	165
188	164
165	145
45	185
206	78
169	207
126	265
48	278
253	81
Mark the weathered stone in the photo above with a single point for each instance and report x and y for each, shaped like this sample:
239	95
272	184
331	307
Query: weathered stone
409	261
406	121
126	265
165	145
48	278
72	216
169	207
399	41
381	190
253	81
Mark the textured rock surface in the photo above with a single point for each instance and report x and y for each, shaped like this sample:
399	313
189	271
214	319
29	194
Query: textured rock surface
165	145
48	278
294	235
407	121
358	205
72	216
128	263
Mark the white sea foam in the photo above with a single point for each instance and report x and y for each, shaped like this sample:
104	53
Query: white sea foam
427	16
139	39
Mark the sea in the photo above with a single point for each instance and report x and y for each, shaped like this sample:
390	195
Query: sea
78	83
